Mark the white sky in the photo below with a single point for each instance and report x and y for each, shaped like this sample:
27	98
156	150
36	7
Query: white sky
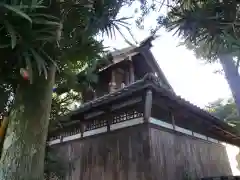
190	78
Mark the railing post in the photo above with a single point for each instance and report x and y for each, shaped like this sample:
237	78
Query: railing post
148	105
173	120
81	128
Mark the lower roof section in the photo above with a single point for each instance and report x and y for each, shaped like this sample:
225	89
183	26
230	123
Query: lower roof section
187	115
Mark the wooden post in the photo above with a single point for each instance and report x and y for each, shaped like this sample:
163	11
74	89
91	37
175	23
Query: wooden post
81	128
61	138
127	78
148	105
94	95
173	120
108	123
108	116
112	84
131	73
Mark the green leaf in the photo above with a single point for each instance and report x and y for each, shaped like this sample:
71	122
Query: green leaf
39	2
12	33
45	16
32	7
35	3
17	11
54	62
48	30
45	71
4	45
45	22
14	2
40	63
46	39
29	66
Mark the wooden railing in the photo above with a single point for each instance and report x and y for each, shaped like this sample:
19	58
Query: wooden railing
98	123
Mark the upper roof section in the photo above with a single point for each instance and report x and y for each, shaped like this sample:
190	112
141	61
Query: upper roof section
144	52
126	67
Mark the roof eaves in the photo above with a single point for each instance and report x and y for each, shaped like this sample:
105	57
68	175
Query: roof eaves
127	90
151	81
217	122
120	55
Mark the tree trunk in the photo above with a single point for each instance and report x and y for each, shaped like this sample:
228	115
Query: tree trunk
24	146
232	76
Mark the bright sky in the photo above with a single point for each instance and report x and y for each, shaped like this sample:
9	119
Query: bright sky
190	78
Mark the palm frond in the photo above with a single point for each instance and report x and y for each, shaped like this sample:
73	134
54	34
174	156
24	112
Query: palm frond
12	33
17	11
204	23
27	28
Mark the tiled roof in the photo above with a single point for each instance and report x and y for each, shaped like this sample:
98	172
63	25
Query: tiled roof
151	81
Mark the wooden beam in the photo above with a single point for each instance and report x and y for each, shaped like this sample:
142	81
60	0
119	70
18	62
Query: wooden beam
148	105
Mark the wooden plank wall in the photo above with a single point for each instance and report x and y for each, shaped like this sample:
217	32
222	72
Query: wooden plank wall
172	155
143	153
119	155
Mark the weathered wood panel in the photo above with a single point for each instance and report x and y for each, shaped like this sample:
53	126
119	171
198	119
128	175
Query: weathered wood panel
143	153
119	155
172	155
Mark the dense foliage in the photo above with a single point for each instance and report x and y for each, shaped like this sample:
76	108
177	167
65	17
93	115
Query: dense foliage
225	110
30	30
37	35
210	29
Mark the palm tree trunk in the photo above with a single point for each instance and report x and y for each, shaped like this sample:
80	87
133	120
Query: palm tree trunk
232	76
24	146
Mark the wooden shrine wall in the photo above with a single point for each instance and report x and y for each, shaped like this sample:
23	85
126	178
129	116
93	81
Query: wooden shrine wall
173	154
142	152
118	155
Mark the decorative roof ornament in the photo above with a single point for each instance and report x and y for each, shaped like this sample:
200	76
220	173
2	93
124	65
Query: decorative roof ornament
149	76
